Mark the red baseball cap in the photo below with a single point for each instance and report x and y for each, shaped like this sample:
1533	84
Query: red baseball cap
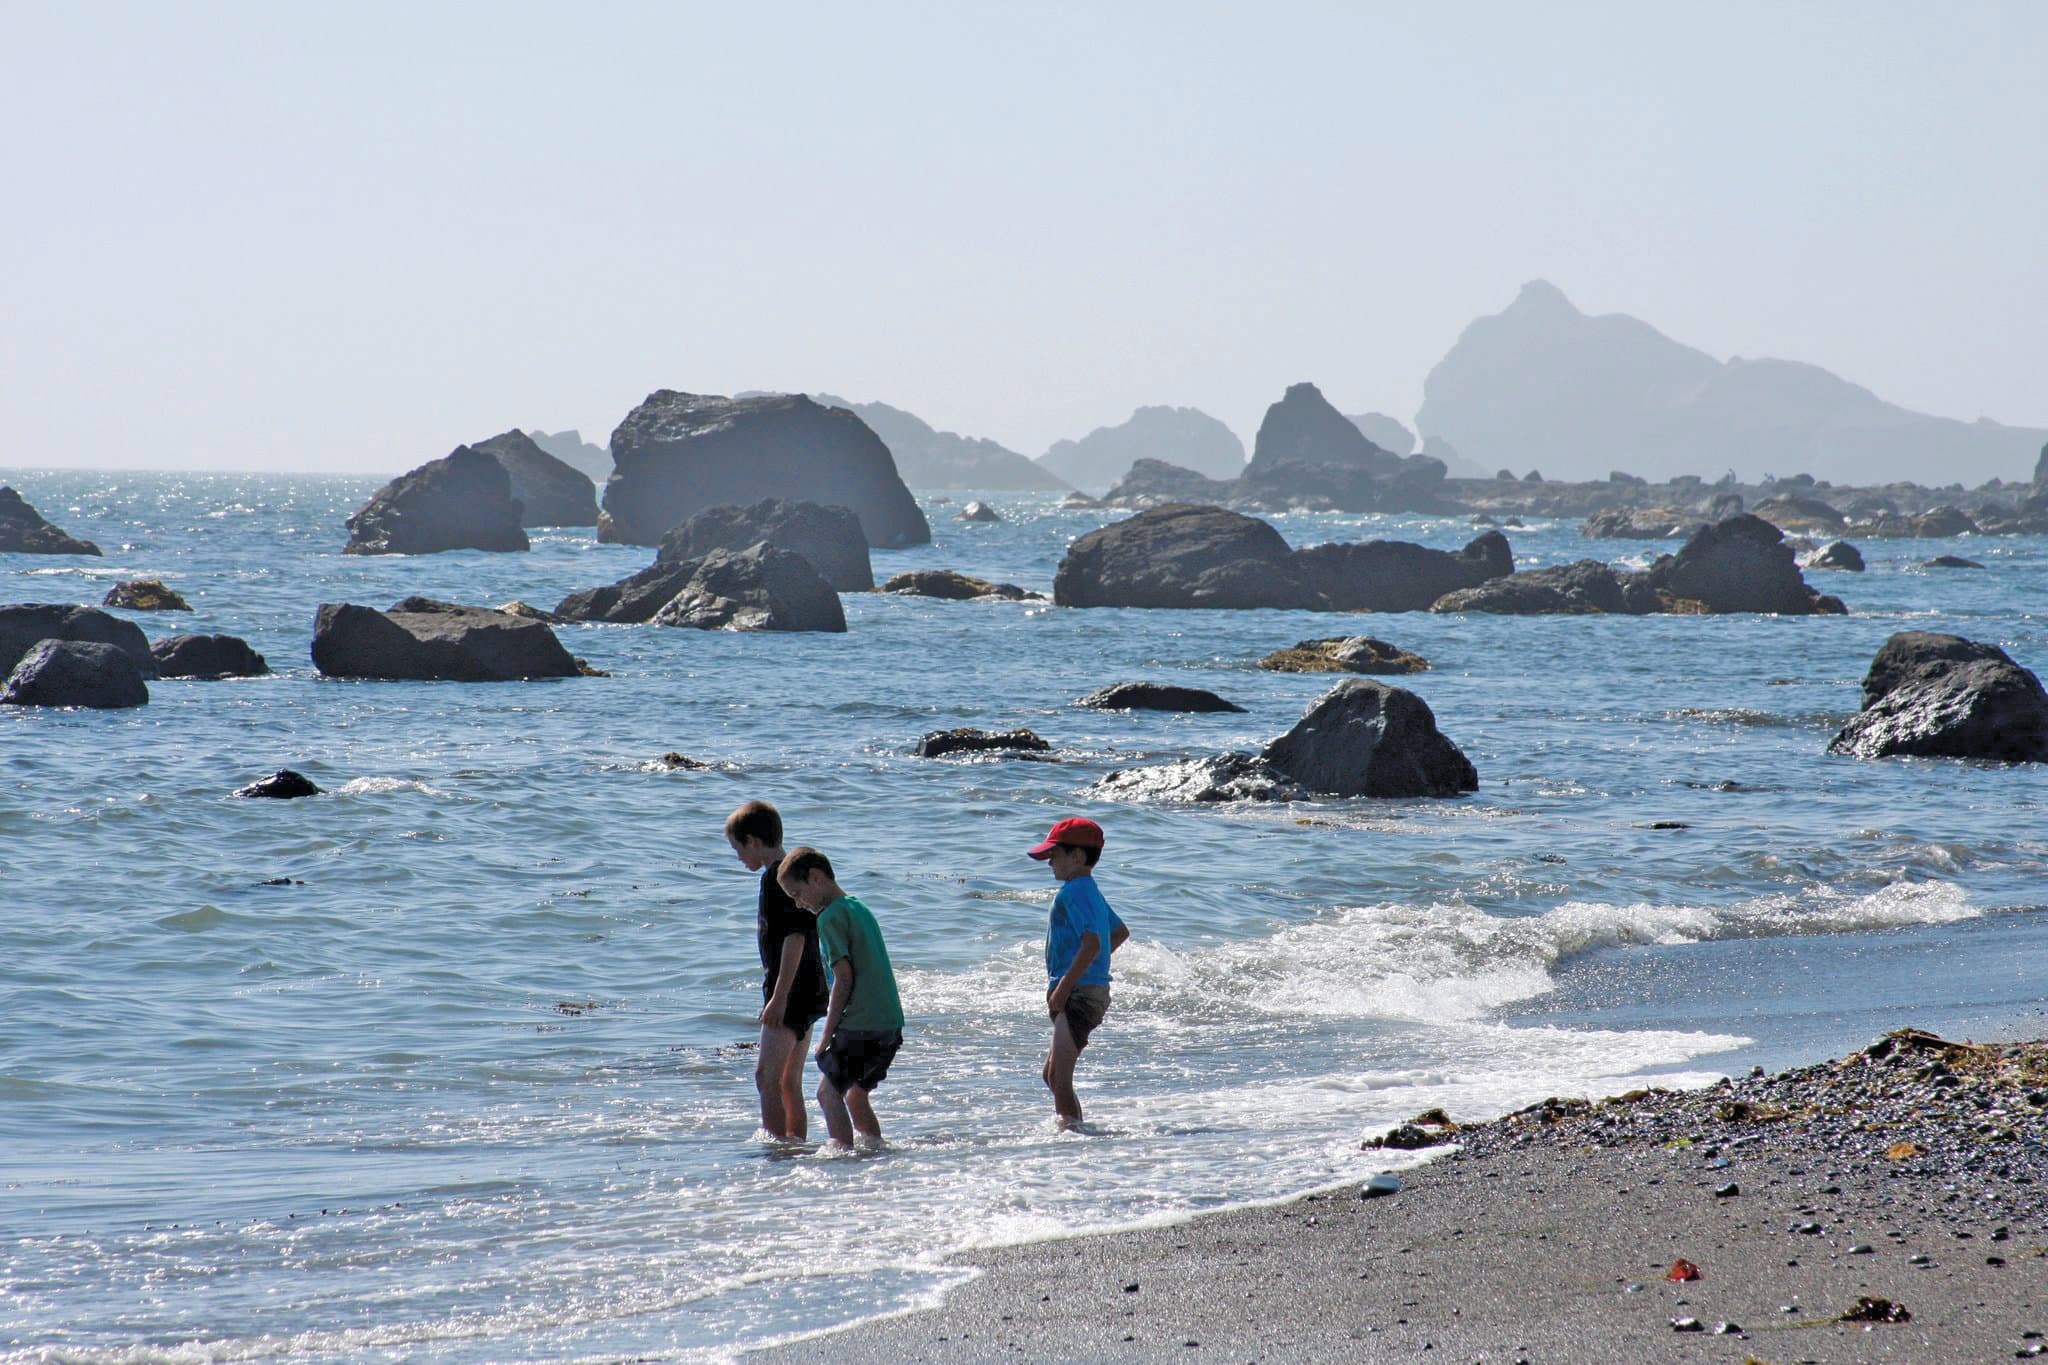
1077	831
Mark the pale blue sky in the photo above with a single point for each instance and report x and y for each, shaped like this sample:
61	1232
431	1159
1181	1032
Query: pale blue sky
348	237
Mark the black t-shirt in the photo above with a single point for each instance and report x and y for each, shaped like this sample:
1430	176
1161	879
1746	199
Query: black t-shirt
778	918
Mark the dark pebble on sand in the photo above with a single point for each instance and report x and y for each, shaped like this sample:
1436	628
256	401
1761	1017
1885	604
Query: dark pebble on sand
1727	1191
1687	1325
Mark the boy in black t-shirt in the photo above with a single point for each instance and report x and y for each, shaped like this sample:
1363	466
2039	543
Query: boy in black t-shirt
793	991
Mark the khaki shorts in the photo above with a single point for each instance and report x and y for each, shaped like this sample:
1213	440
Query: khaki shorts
1085	1007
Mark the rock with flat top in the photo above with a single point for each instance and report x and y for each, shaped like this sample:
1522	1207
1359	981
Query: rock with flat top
954	586
1395	575
1585	588
969	740
1182	556
422	639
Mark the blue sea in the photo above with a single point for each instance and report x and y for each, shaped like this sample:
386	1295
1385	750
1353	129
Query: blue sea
454	1061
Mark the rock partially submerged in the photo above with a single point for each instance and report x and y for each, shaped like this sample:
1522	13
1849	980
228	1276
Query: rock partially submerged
1838	555
23	625
75	673
677	454
1361	738
550	491
758	588
979	511
1145	696
829	537
1586	587
1740	564
23	530
206	657
1344	654
282	785
969	740
1638	523
462	501
1942	696
1395	575
1309	453
1950	562
1182	556
144	594
634	599
421	639
954	586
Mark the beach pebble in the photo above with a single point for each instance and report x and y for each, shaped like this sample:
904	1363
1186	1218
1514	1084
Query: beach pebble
1861	1249
1727	1191
1687	1325
1381	1185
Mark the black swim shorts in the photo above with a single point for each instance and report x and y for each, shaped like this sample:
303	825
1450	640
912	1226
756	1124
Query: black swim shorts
798	1016
1085	1007
859	1057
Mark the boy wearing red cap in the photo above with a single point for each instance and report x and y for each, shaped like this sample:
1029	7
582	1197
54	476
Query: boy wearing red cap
1083	933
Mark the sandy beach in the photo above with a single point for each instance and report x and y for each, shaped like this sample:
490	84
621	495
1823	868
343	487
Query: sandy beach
1888	1206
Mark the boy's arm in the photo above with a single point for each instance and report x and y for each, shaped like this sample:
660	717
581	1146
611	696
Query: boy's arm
842	991
1056	998
792	958
1118	931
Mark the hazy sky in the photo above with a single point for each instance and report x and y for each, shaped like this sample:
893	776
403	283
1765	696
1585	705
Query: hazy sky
350	236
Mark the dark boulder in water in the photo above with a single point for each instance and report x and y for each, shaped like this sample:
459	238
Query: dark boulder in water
1395	575
206	657
24	624
1637	523
1308	452
953	586
550	491
968	740
144	594
1145	696
829	537
1740	564
421	639
1951	562
632	600
1344	654
1839	555
1365	738
1942	696
979	511
23	531
679	453
1182	556
1586	587
75	673
462	501
282	785
759	588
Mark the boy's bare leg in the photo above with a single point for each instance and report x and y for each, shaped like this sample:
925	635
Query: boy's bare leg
771	1061
1059	1073
864	1120
833	1106
796	1122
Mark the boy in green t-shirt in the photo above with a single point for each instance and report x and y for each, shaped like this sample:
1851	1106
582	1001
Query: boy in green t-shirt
864	1018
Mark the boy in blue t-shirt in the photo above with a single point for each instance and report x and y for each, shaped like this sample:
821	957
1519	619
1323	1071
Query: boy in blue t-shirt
1083	932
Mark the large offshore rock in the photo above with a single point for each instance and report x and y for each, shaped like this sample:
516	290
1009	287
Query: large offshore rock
23	625
1184	438
927	458
1365	738
679	453
207	656
1740	564
1155	483
759	588
1943	696
829	537
1147	696
75	673
550	491
1586	587
1394	575
23	531
421	639
1307	451
1182	556
462	501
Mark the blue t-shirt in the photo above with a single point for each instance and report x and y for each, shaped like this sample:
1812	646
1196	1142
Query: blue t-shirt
1079	909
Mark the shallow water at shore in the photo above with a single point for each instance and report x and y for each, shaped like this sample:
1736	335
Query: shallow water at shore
474	1082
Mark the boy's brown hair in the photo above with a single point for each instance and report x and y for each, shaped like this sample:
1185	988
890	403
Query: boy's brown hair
755	820
800	863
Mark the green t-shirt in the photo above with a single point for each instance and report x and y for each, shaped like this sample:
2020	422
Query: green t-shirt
847	932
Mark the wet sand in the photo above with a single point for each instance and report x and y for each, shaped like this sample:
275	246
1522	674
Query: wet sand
1915	1171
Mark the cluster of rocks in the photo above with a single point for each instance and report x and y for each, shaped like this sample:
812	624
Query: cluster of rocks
1308	456
1361	738
1942	696
761	567
1198	556
23	530
57	654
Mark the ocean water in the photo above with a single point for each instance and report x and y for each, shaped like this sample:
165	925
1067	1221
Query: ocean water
453	1062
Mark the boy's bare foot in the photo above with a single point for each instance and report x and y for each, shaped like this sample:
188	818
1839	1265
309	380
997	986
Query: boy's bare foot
869	1142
